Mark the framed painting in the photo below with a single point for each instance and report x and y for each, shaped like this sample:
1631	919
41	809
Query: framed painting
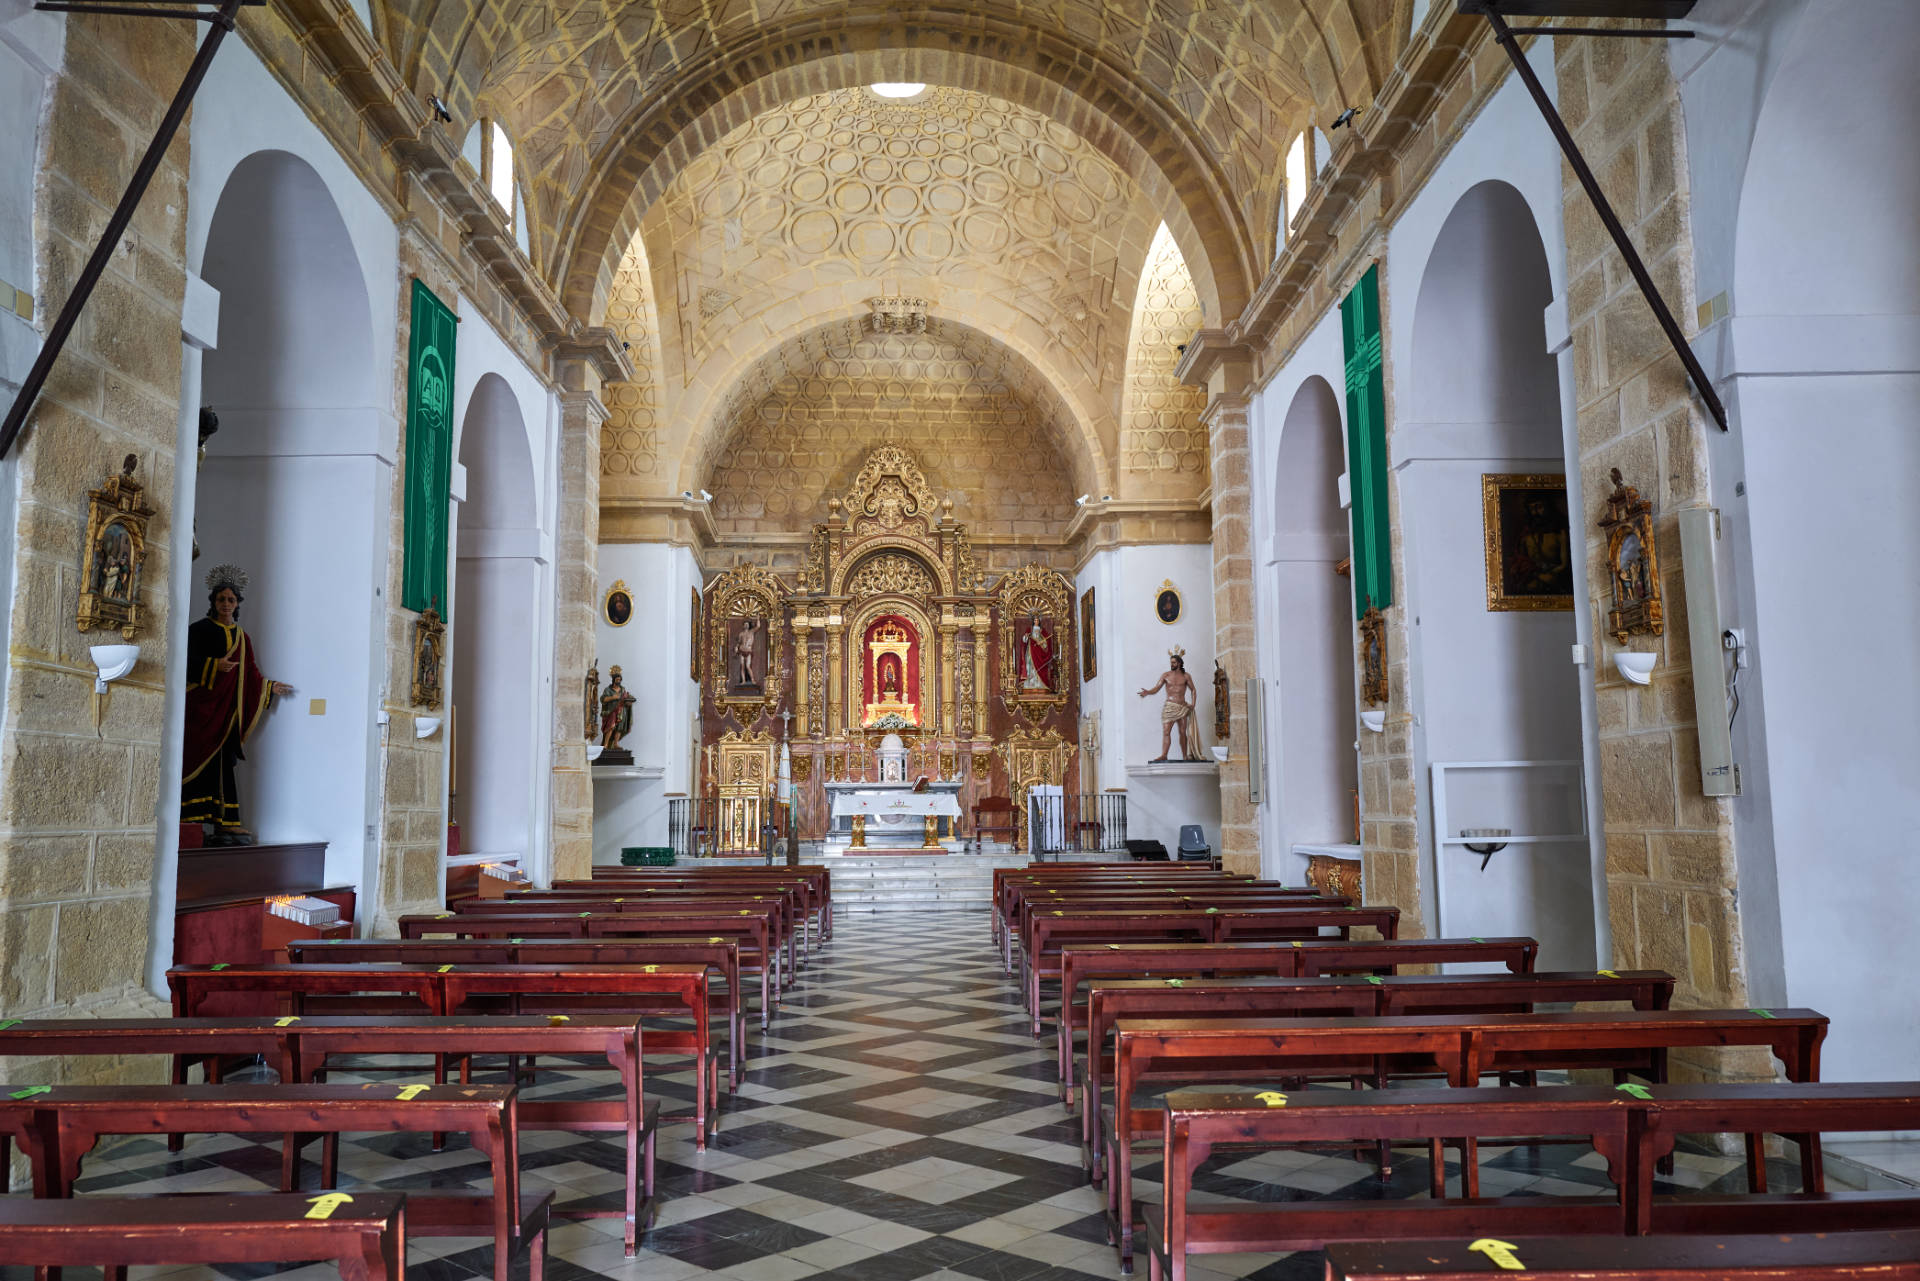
1167	605
1088	664
617	606
1633	563
693	636
1529	544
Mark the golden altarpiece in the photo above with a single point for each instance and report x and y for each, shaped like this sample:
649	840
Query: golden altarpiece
890	628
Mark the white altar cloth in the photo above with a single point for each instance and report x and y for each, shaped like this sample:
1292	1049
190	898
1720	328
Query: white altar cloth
886	802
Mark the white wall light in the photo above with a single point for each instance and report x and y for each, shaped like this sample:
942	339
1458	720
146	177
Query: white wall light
1635	665
426	726
1375	720
112	662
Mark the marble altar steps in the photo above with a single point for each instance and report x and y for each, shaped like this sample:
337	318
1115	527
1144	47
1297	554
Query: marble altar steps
917	883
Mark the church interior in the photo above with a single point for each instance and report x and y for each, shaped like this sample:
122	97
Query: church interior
900	641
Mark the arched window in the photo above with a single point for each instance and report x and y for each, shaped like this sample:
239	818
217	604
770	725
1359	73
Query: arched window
490	151
1297	175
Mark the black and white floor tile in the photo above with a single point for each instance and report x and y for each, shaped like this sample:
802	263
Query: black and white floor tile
897	1123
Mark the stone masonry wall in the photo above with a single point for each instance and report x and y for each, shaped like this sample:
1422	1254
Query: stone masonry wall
1233	620
77	807
1670	858
576	593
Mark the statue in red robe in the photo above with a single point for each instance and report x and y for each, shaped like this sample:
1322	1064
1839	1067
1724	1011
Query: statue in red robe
1036	659
227	698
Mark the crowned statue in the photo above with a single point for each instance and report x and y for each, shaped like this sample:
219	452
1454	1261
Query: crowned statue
1036	659
227	698
1177	711
616	719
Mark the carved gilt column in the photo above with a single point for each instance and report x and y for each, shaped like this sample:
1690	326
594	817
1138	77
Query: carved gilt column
836	675
802	655
949	642
981	627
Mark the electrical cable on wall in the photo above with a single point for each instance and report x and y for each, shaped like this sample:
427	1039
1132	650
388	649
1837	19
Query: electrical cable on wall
1732	643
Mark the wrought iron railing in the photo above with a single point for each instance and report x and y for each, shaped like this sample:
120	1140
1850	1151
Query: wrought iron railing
1079	823
730	826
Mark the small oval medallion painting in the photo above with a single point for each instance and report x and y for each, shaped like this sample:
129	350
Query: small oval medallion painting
618	606
1166	603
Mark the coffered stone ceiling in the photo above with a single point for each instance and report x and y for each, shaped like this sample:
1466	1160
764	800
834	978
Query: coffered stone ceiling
983	424
609	98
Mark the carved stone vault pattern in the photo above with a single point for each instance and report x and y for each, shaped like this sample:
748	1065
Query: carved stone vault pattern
951	186
1161	430
630	438
979	423
569	77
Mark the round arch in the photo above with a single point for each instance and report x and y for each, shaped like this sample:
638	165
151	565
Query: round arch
295	490
833	305
494	658
1126	120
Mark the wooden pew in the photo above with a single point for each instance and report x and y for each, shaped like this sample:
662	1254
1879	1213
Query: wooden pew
797	891
67	1121
1222	898
1458	1047
600	989
773	906
1008	880
368	1241
1813	1256
300	1047
1048	932
758	956
819	879
1423	994
1197	1123
1292	958
715	952
1270	924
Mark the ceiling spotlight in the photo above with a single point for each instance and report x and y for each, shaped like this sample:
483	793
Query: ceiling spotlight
687	494
440	111
1345	118
1080	501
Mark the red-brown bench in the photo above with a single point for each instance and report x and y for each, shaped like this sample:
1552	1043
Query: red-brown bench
1772	1256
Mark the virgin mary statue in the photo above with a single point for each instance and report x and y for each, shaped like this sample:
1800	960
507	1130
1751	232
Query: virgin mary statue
227	698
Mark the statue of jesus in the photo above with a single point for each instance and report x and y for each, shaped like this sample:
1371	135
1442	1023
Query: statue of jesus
743	653
1177	711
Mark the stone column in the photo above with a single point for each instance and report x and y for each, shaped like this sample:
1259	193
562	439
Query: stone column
576	588
802	632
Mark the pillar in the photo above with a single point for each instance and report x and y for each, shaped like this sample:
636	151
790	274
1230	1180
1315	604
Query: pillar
576	577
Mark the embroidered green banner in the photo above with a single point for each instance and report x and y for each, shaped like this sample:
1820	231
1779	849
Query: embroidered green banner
423	575
1367	444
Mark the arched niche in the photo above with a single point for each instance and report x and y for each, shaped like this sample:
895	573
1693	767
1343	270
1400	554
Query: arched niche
1311	730
1826	341
1489	684
496	678
296	488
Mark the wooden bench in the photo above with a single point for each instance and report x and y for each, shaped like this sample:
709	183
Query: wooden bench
1292	958
819	883
300	1049
65	1122
1270	924
1196	1124
1047	932
1108	1002
1458	1047
1222	898
807	893
995	815
774	906
1013	886
364	1234
1816	1256
758	956
646	989
715	952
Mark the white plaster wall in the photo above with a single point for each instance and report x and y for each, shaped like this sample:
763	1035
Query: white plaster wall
1820	366
653	652
1133	652
30	50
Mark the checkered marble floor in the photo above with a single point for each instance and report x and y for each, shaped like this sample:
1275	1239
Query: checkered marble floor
896	1124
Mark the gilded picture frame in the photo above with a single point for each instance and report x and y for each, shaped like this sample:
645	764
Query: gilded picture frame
1373	657
617	605
429	652
1529	542
116	553
1168	604
1633	563
693	636
1089	664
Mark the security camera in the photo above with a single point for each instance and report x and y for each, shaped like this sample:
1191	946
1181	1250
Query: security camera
1080	501
705	497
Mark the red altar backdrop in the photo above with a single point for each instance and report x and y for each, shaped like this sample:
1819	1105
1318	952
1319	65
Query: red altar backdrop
875	663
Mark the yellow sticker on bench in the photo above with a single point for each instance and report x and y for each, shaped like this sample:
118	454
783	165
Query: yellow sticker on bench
651	969
445	968
1272	1098
555	1020
325	1204
410	1092
286	1020
441	916
746	911
715	939
1606	974
1500	1252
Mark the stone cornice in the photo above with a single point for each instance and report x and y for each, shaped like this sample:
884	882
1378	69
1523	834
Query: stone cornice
401	129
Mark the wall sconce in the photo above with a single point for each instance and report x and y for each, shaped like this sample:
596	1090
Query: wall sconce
1485	841
1635	665
426	726
111	662
1375	720
593	752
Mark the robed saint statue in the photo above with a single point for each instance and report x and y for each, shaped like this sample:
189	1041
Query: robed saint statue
227	698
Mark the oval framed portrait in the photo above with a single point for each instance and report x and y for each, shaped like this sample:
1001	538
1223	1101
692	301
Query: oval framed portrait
1167	604
617	608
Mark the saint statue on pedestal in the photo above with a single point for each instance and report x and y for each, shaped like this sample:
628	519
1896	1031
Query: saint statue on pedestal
1036	659
1177	711
616	712
227	698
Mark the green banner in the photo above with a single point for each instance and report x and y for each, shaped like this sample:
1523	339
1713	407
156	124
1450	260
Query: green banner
1367	444
429	462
